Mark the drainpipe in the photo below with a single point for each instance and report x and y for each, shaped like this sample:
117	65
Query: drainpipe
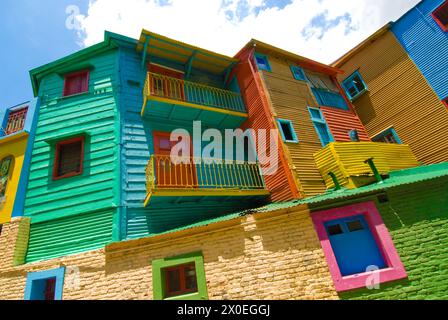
337	186
376	173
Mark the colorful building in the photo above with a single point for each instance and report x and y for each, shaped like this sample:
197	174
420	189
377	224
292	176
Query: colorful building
423	33
16	140
396	81
110	215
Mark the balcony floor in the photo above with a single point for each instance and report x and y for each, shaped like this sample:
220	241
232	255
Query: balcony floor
173	110
204	195
168	212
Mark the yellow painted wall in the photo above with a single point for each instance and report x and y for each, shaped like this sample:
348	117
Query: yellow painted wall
399	96
289	100
346	161
15	148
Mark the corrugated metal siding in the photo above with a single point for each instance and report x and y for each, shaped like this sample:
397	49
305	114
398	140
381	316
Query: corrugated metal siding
346	159
71	235
341	122
399	96
93	114
426	43
279	184
290	99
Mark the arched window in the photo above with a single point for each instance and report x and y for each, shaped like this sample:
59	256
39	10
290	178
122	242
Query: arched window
5	171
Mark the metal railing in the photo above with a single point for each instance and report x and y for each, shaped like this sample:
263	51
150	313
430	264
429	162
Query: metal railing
163	173
187	91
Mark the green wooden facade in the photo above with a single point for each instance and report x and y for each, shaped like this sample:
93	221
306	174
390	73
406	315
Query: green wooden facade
78	213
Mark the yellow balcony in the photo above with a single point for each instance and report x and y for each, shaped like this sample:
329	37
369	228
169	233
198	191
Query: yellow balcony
175	99
208	178
347	161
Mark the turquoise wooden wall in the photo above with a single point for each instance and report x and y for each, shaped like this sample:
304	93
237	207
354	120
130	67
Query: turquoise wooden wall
162	214
76	214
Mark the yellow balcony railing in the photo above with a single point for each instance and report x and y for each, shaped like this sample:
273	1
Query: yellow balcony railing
347	161
164	174
161	86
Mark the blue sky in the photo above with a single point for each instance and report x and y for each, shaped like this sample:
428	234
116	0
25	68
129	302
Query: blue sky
34	32
31	34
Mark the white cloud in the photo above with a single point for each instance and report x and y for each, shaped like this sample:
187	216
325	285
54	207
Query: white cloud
208	24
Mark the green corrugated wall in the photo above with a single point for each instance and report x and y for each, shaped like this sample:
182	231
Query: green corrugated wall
76	214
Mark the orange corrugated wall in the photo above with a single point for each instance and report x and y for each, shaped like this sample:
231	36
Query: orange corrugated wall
281	184
341	122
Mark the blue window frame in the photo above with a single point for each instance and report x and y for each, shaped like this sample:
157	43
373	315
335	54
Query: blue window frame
387	136
321	126
287	130
354	85
262	62
45	285
298	73
354	245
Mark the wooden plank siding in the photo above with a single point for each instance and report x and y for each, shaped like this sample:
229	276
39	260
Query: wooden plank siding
399	96
93	194
290	99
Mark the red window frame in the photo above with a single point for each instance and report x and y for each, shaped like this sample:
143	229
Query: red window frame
75	75
57	158
444	5
445	102
183	290
16	120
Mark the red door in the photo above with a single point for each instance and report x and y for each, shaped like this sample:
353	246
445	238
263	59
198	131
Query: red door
167	83
170	174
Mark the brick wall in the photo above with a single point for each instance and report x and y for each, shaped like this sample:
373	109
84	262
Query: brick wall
266	256
417	219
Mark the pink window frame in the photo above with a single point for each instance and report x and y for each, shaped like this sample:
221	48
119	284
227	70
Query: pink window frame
433	15
395	270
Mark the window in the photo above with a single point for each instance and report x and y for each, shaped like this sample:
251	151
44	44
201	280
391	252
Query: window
5	171
357	245
16	121
298	73
321	126
387	136
350	244
440	15
69	158
262	62
179	278
45	285
445	102
354	86
287	131
76	83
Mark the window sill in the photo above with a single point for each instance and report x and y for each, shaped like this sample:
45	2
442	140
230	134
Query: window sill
188	296
69	175
359	95
363	280
74	95
290	141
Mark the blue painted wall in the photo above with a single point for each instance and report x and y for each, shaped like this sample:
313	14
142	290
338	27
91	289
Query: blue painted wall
426	44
